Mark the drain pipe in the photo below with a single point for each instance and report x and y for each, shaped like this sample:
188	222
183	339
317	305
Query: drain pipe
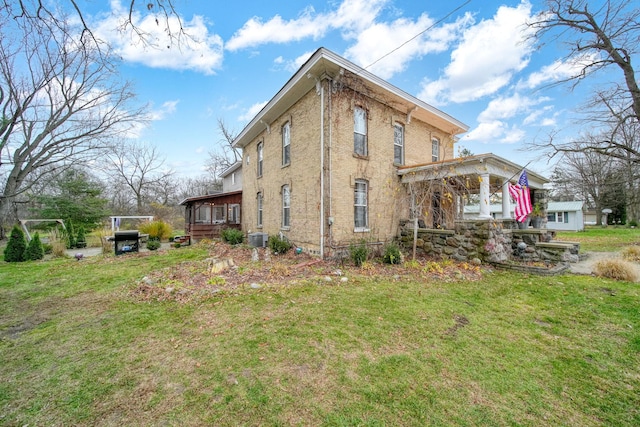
322	216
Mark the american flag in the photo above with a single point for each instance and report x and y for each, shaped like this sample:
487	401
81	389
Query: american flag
520	194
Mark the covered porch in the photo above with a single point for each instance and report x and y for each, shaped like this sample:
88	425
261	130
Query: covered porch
206	216
439	191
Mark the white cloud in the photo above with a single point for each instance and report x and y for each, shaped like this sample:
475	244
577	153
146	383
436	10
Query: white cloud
496	131
196	49
508	107
534	117
293	65
486	59
487	131
493	122
352	16
252	111
558	71
380	39
165	110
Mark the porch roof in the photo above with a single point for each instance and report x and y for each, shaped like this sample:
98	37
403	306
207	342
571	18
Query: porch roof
209	197
498	168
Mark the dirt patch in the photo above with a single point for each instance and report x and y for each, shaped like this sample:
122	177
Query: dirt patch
232	270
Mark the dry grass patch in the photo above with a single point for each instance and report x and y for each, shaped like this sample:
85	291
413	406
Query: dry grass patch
631	253
616	269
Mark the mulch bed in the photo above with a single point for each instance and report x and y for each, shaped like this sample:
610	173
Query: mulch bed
242	273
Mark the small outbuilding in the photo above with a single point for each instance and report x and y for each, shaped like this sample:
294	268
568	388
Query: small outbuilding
565	216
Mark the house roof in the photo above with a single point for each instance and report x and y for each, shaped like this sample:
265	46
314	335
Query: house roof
565	206
498	168
213	196
234	167
326	64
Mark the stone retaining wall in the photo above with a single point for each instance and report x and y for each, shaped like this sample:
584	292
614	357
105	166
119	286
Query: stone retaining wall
489	241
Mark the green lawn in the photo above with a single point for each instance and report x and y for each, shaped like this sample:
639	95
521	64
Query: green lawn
510	349
602	239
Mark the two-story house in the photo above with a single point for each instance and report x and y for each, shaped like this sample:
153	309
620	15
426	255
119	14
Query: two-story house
321	159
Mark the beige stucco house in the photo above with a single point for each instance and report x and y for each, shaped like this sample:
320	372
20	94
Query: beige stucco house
332	157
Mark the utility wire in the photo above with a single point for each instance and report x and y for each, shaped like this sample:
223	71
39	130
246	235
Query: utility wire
419	34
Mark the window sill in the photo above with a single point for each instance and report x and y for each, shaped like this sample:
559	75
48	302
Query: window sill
285	228
361	230
361	156
286	165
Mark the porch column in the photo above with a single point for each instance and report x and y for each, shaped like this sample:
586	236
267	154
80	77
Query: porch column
485	211
506	201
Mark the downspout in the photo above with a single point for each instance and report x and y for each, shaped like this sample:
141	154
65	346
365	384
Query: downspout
329	98
322	216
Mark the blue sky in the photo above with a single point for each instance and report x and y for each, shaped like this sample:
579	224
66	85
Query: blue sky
475	63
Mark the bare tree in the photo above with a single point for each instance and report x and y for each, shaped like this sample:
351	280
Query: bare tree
598	35
227	155
46	13
585	173
62	105
140	168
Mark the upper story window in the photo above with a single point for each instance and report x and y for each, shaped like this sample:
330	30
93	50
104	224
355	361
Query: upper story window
286	206
260	158
259	219
398	144
435	149
360	204
233	178
286	144
360	131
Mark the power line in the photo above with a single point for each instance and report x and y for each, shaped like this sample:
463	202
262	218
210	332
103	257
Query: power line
419	34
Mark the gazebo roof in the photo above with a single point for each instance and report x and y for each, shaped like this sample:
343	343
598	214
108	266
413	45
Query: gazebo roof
498	168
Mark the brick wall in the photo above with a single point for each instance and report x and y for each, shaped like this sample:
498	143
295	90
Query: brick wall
388	200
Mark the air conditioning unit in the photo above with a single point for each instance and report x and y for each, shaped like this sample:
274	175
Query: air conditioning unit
258	240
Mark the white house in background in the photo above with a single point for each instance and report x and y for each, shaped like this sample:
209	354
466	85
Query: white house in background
566	216
562	216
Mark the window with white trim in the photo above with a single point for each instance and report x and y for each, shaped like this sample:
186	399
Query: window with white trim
398	144
259	219
435	149
286	206
286	144
558	217
360	131
260	158
360	205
